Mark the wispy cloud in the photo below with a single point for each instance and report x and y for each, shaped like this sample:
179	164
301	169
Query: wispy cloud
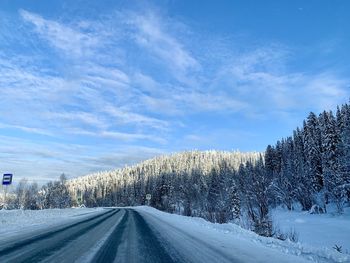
72	42
125	116
43	161
149	31
25	129
182	100
78	117
130	80
121	136
262	76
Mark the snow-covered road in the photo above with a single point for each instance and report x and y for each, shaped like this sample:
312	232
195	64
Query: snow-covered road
61	243
189	241
140	234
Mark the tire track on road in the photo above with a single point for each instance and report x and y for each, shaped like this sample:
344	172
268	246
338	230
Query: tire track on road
132	241
51	241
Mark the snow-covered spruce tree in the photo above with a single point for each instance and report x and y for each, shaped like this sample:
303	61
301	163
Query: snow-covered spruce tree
330	153
199	188
253	186
260	186
302	186
270	159
233	199
214	198
341	192
280	190
223	186
312	152
162	193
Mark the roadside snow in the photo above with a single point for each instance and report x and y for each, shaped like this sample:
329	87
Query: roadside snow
319	230
22	221
230	238
317	233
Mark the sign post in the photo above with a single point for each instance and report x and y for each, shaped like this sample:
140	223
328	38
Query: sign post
148	198
6	181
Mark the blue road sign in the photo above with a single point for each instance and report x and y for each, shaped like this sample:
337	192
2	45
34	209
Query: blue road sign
7	179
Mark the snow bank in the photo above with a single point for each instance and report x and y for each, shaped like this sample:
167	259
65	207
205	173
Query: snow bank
323	231
231	235
20	221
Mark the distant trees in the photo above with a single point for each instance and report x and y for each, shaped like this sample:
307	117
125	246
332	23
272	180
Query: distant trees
56	194
21	194
26	196
30	196
191	183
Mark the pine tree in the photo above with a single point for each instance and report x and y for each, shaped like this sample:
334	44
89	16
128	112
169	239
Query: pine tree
330	153
213	194
233	202
312	142
341	192
302	187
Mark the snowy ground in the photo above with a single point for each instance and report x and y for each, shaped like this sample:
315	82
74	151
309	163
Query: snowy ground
13	222
232	236
323	230
197	237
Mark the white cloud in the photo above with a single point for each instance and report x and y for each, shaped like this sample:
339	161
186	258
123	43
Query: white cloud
177	100
27	92
71	41
111	76
120	136
326	91
152	36
262	77
152	32
26	129
129	117
125	156
130	136
83	117
212	102
43	161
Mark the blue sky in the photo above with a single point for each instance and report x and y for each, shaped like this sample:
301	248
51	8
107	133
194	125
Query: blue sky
94	85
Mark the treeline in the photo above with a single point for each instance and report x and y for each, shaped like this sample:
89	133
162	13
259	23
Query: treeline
312	167
191	183
28	195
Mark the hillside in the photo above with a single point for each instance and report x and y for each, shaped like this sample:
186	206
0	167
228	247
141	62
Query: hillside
177	182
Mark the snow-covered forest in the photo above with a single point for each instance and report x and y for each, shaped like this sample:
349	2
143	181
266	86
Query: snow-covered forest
191	183
311	167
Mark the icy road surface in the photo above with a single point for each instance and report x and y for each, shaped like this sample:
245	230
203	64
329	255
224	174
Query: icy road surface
134	235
